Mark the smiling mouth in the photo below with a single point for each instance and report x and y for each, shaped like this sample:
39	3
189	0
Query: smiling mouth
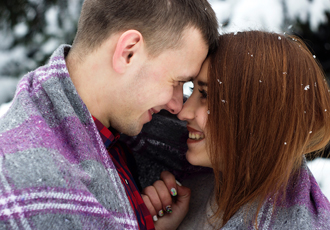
196	136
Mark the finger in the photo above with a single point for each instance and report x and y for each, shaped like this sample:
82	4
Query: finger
154	198
183	198
150	207
183	193
170	182
164	195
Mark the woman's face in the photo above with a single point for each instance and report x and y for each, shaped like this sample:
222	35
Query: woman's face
195	112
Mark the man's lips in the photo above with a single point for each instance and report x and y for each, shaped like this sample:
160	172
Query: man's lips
151	112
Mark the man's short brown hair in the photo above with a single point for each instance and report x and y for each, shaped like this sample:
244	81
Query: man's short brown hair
161	22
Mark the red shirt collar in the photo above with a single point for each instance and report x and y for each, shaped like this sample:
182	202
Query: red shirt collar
109	136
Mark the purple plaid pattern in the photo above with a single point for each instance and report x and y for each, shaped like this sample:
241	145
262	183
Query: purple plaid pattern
55	172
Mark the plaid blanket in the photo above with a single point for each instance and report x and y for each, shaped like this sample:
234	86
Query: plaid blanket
304	208
55	172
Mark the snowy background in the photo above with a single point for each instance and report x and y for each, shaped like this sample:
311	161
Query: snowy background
30	32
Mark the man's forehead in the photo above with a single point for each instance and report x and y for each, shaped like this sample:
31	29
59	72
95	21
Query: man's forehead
191	76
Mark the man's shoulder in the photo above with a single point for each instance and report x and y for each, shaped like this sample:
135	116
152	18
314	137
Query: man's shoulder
46	189
36	167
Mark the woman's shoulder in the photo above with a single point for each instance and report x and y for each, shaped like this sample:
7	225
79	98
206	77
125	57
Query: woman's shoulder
202	187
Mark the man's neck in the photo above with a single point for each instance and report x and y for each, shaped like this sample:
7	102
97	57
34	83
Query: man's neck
85	81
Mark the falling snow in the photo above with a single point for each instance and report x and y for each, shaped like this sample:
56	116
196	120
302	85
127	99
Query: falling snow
243	15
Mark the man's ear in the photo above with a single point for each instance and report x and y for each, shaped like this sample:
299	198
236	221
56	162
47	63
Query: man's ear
129	43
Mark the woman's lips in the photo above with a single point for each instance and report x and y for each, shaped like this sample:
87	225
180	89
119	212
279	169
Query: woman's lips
194	135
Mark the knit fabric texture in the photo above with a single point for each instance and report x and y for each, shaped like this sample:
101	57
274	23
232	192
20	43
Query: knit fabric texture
162	145
55	172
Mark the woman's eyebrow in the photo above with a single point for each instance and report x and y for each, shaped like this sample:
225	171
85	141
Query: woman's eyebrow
202	83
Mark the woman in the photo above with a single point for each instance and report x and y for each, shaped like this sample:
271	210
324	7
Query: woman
259	104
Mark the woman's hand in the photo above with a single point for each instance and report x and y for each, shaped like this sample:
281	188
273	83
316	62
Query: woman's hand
167	201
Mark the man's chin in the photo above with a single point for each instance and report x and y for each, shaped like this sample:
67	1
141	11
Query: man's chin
132	131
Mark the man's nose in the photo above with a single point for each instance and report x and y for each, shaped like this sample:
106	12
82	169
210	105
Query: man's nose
175	104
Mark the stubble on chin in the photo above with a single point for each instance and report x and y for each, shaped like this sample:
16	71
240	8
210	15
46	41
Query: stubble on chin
131	129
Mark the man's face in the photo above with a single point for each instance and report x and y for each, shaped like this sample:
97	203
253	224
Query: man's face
157	84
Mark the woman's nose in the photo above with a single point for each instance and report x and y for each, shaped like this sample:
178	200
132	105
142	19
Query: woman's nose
187	112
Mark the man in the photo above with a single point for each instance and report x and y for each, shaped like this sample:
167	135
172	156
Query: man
60	165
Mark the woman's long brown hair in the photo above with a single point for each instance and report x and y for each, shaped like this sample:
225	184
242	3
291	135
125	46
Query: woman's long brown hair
269	105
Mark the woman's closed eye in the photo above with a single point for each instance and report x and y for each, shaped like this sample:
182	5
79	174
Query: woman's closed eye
201	91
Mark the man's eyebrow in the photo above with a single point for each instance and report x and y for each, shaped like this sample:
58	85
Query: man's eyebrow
186	79
201	83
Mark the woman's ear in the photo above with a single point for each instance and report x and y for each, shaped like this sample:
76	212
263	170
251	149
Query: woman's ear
128	45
